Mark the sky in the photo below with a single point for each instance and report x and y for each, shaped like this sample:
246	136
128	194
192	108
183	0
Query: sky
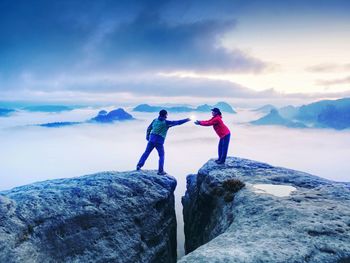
174	51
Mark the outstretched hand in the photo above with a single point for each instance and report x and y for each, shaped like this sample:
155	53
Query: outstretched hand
196	122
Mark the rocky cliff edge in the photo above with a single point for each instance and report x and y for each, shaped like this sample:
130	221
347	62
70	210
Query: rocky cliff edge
105	217
246	211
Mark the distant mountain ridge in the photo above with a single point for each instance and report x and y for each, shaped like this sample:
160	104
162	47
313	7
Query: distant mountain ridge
288	112
266	108
102	117
327	113
274	118
5	112
223	106
333	114
59	124
114	115
47	108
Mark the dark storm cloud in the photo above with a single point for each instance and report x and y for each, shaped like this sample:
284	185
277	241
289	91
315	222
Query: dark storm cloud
51	36
150	41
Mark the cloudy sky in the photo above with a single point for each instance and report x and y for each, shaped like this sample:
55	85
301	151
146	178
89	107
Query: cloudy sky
170	51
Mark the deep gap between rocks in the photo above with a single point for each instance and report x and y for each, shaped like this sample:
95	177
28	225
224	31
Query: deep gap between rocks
180	231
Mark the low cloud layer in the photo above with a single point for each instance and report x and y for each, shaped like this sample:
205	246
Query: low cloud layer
46	153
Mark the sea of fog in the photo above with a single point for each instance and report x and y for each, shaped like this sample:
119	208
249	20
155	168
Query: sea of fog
31	153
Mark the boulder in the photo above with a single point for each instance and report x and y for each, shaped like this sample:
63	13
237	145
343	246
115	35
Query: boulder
105	217
246	211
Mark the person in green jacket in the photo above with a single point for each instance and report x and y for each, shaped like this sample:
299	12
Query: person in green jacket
156	133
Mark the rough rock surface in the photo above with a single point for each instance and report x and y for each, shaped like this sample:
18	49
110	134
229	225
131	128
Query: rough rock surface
105	217
312	224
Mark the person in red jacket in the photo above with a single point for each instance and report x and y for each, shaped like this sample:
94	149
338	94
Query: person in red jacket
221	130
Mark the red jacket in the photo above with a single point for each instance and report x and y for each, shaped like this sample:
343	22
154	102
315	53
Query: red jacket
218	125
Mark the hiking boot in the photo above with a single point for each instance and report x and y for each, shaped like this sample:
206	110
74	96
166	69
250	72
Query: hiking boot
220	162
138	168
161	173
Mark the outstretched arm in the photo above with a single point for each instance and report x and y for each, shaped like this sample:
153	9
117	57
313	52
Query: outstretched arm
179	122
208	122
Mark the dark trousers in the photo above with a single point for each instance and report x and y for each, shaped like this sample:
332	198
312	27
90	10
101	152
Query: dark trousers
149	148
223	148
